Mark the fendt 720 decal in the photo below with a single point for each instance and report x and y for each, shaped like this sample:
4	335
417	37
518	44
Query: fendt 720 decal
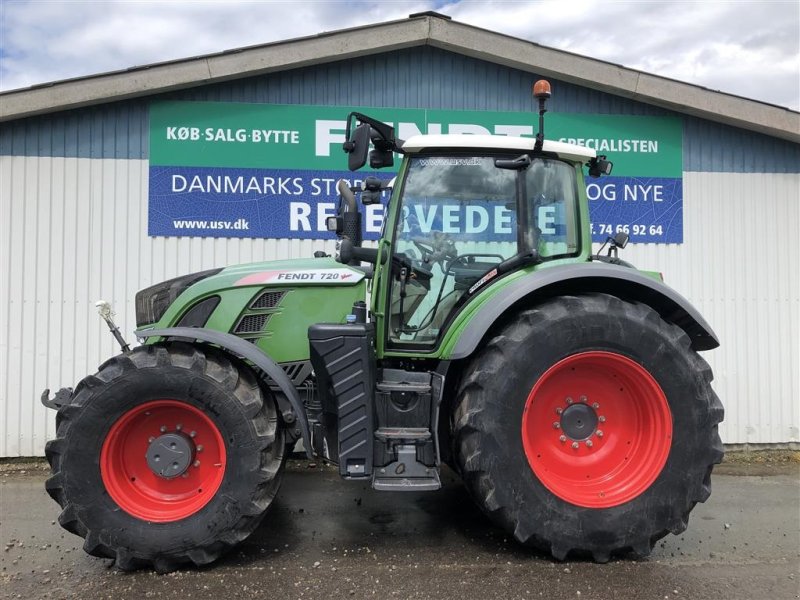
317	276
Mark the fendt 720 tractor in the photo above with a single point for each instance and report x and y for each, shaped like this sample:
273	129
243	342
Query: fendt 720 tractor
564	387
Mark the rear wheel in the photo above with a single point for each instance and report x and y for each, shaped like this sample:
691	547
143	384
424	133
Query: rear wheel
588	425
168	455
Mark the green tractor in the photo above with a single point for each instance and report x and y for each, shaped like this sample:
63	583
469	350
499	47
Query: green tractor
564	387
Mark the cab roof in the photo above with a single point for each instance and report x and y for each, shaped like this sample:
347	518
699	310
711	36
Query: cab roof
422	143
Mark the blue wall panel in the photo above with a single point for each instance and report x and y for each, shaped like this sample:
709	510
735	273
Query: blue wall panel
422	77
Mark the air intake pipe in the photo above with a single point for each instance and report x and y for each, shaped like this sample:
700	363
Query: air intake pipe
348	210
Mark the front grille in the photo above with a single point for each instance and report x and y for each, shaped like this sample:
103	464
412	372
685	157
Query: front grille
268	300
252	324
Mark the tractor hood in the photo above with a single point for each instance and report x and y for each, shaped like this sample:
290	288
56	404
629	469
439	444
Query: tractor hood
257	300
154	302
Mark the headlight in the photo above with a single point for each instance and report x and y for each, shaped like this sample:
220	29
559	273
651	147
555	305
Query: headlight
152	302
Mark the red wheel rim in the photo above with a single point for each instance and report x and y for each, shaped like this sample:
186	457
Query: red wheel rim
136	488
597	429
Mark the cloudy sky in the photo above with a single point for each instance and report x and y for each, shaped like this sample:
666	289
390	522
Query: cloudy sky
744	47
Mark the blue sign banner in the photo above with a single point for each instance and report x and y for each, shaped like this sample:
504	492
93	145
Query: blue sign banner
234	202
288	203
650	210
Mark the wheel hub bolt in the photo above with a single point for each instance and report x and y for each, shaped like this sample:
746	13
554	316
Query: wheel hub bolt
151	439
192	433
589	443
569	400
601	418
575	445
196	463
559	410
178	426
163	428
200	448
583	398
562	439
595	405
599	433
556	425
169	455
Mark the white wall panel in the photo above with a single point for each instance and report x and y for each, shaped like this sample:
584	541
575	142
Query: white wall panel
740	267
73	230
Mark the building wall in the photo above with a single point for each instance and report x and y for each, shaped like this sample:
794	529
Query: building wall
73	229
401	79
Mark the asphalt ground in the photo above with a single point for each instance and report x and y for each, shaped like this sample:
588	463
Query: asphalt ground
327	538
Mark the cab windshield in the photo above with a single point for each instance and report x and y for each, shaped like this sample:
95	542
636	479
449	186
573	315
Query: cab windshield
458	220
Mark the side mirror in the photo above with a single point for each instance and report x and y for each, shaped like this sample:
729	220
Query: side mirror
357	146
378	159
357	143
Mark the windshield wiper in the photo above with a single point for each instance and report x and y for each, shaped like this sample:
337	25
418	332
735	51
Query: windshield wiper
514	164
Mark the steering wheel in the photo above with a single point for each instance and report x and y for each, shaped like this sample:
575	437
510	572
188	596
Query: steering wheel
438	249
425	247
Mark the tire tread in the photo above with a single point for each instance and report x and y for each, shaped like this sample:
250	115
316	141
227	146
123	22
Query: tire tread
473	427
267	464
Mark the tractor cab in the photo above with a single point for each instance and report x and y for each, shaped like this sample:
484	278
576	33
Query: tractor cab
465	210
467	217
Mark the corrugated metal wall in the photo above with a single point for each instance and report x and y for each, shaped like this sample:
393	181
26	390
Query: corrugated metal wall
74	230
739	267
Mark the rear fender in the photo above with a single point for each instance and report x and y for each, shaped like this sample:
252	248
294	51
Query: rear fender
244	349
619	281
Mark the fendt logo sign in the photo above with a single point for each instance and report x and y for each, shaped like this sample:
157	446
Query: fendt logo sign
270	171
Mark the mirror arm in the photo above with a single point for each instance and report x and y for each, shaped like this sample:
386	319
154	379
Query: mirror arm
384	131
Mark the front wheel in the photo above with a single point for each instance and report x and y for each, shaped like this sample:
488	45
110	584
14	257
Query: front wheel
588	425
168	455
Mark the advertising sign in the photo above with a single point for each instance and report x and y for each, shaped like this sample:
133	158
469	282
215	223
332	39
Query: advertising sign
260	170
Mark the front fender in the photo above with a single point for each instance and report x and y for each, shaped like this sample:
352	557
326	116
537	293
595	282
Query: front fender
248	351
625	283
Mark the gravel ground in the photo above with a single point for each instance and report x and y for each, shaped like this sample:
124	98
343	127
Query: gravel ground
327	538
